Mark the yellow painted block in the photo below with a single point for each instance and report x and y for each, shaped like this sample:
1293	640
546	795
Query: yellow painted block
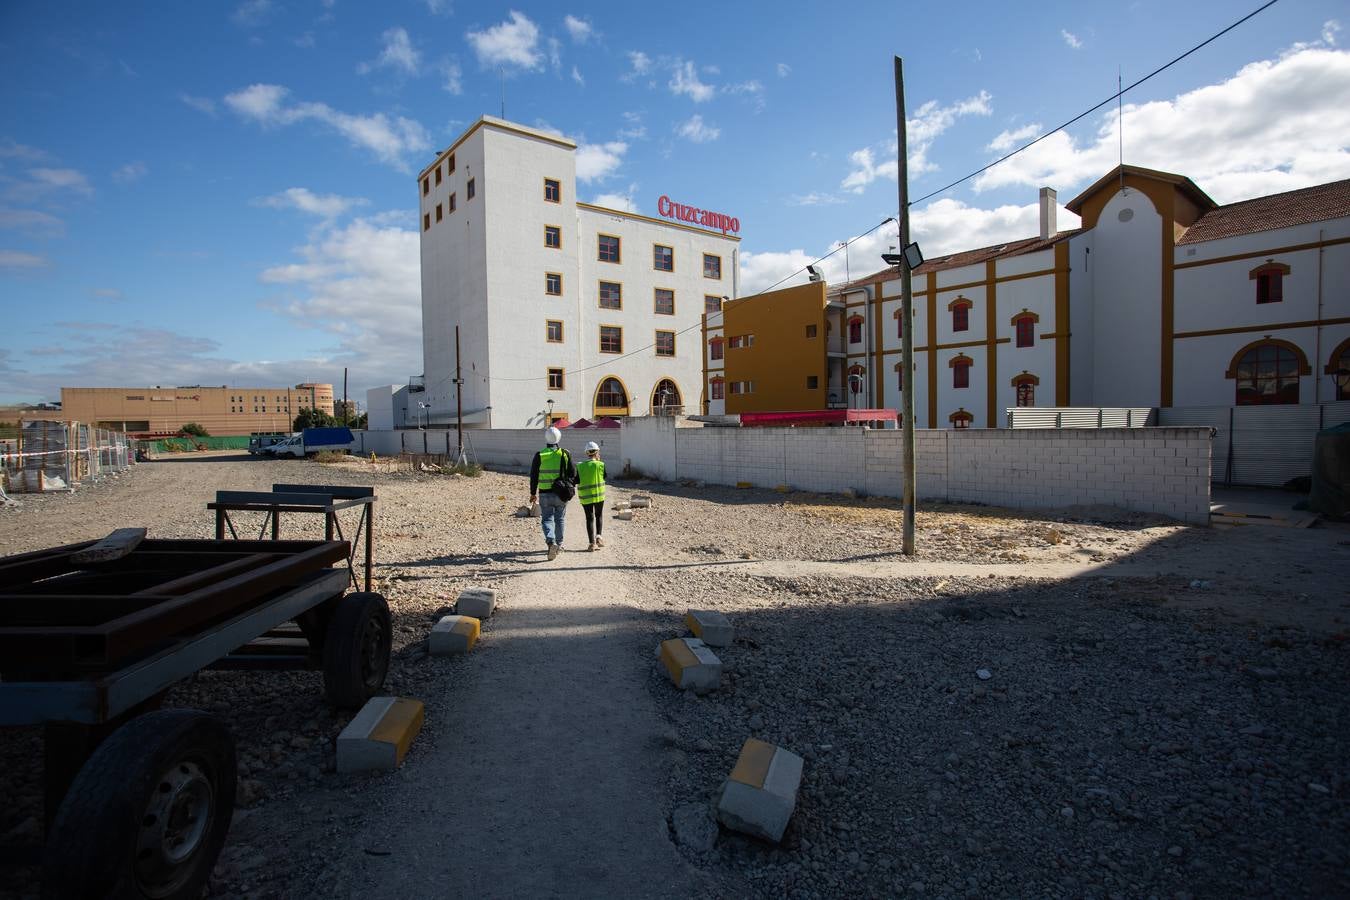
752	766
693	625
399	725
782	488
744	484
469	628
676	656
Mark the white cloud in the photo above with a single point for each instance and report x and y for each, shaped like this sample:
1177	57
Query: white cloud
132	171
201	104
1070	38
452	77
815	199
576	76
751	90
685	80
252	13
927	124
634	129
10	149
1276	125
107	293
639	64
694	129
623	201
548	127
580	29
391	139
326	206
555	53
513	43
595	162
17	259
1331	30
305	41
784	70
61	179
435	7
398	54
31	222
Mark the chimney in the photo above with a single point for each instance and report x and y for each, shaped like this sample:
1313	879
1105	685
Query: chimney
1048	211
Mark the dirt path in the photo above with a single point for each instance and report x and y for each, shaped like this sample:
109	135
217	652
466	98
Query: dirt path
547	778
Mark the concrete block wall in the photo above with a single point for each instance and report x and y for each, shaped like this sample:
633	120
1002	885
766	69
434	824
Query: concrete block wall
503	447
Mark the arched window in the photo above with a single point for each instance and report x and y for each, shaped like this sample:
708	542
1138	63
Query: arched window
961	418
1269	278
1025	325
855	325
1025	385
960	366
612	397
665	396
1267	372
960	309
1339	369
717	389
716	348
855	378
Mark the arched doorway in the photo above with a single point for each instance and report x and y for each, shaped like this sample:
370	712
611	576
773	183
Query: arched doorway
666	399
611	398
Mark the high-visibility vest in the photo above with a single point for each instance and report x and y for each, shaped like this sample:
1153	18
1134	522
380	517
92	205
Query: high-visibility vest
550	467
591	481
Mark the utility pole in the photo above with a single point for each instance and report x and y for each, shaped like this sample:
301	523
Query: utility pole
344	395
906	313
459	405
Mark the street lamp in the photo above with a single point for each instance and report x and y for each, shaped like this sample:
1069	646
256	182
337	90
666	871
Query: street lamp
549	420
912	255
426	414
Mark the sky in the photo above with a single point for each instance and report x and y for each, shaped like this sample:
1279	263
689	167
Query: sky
225	192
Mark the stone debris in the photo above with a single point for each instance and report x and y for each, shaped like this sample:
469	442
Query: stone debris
624	516
983	674
640	501
760	794
476	602
453	634
710	627
694	827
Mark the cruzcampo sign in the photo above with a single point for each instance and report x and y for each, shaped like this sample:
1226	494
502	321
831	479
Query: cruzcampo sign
695	216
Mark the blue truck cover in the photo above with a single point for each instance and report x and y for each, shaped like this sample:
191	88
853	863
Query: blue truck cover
327	437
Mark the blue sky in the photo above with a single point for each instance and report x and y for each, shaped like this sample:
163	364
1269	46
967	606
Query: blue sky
224	193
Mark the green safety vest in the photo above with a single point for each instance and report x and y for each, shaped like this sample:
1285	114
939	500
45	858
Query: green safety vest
550	467
591	482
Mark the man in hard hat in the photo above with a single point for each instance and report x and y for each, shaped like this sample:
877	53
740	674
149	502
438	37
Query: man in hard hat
549	466
591	493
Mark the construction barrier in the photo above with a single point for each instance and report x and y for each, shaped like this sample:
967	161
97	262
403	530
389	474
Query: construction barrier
57	456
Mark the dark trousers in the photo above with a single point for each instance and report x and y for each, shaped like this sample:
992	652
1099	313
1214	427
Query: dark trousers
595	519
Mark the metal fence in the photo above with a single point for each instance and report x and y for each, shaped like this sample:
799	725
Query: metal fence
1081	417
1261	445
56	456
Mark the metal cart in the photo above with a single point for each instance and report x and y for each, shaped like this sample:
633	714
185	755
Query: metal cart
138	800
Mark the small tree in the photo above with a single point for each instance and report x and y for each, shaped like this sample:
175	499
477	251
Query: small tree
313	418
194	429
361	421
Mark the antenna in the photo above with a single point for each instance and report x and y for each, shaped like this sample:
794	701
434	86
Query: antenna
501	78
1120	128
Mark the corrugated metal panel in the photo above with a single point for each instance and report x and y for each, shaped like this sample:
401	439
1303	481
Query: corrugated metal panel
1080	417
1030	417
1270	444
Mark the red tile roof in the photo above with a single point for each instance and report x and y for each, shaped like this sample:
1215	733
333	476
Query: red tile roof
964	258
1301	207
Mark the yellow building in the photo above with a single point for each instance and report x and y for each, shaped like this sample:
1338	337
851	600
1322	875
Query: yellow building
220	410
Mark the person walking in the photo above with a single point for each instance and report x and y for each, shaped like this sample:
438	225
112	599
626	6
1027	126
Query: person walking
549	466
591	493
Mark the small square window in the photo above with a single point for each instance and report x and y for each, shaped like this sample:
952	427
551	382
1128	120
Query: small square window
439	214
611	295
665	302
470	189
553	331
555	379
609	248
812	382
553	237
712	266
426	186
426	221
810	331
451	165
552	190
665	343
1026	336
553	284
712	303
611	339
716	348
961	318
663	258
452	202
438	174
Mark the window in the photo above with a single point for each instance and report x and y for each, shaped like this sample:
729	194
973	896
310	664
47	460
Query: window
611	295
426	186
611	395
712	266
663	258
736	342
1267	373
452	202
552	190
960	366
611	341
553	237
1026	336
451	165
553	284
742	387
717	389
810	332
855	326
665	343
961	419
438	173
665	302
812	382
1339	369
961	318
438	212
1269	280
555	379
899	376
609	248
1025	386
470	190
426	221
553	331
712	304
855	379
666	395
716	348
899	325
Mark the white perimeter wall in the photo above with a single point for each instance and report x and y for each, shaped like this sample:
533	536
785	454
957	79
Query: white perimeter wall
502	447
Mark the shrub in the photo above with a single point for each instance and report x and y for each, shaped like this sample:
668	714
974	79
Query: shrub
469	470
194	429
329	456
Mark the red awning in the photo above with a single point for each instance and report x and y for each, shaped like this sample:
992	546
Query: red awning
583	423
561	423
607	422
817	417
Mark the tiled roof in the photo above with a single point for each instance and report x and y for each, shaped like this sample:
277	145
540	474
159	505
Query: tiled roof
964	258
1314	204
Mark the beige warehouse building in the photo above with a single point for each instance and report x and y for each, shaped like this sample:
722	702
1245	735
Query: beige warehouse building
220	410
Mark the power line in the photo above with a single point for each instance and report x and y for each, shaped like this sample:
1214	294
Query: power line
1119	93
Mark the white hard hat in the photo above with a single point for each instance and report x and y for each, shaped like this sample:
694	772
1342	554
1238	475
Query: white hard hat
592	446
553	435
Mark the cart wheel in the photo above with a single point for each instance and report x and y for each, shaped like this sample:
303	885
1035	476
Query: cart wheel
148	813
356	649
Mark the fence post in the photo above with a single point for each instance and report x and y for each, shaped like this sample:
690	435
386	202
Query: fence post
1228	463
1129	418
1059	419
1100	416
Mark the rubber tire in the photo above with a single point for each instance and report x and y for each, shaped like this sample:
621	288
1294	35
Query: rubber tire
343	650
90	850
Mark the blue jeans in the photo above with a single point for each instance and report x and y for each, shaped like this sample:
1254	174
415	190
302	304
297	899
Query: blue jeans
552	511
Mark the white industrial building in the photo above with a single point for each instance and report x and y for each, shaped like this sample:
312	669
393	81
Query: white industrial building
564	309
1163	298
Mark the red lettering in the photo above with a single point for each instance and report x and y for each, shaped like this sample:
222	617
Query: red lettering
705	217
663	205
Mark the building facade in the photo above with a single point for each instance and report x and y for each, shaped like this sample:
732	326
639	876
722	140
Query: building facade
564	309
222	411
1162	298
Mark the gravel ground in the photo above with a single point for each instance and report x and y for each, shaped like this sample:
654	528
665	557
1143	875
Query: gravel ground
1140	734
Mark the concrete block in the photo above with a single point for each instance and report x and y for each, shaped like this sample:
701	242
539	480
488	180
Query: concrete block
640	501
710	627
476	602
379	737
690	664
760	794
453	634
624	516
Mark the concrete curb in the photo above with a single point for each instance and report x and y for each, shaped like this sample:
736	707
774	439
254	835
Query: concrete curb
476	602
690	664
453	634
759	796
378	738
710	627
